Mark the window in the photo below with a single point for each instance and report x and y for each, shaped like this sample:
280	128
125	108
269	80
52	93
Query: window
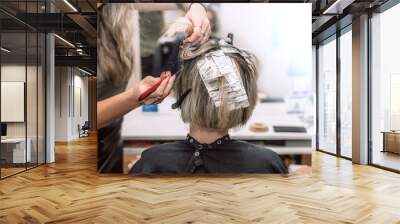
327	96
22	77
15	148
346	93
385	89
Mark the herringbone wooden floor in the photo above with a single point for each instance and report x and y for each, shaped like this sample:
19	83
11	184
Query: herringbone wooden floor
70	191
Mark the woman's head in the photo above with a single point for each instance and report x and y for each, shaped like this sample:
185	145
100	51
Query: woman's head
221	112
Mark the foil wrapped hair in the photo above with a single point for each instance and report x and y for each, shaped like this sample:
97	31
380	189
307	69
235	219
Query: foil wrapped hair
215	65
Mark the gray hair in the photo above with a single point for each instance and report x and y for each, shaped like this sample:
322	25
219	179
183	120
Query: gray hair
199	110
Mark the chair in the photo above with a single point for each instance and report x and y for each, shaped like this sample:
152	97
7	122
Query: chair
84	130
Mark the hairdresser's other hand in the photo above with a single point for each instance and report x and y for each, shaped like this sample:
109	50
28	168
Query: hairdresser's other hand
158	95
201	29
182	24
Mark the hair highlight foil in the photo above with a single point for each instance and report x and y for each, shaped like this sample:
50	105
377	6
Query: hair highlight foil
215	65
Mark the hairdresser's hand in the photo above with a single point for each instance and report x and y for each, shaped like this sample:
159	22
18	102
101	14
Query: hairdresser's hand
181	25
158	95
201	29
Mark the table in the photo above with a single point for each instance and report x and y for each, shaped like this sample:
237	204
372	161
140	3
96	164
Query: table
13	150
166	124
391	142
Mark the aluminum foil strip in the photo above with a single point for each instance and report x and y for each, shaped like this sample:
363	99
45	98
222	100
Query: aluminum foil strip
228	49
215	65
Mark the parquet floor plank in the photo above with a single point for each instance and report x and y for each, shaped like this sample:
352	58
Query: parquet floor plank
70	191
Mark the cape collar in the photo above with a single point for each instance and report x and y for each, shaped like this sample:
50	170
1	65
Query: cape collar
198	146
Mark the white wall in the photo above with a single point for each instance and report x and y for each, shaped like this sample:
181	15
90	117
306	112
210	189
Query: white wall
61	103
69	82
13	99
280	37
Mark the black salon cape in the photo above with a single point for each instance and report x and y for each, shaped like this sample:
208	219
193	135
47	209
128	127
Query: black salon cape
222	156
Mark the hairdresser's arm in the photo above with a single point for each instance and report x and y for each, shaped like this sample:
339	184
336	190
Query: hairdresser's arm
117	106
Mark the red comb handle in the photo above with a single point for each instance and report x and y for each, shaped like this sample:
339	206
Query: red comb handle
151	89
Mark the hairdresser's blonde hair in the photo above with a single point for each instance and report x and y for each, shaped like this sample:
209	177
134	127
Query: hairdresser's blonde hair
115	42
199	110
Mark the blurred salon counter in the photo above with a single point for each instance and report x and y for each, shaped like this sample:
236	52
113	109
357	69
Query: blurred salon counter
166	125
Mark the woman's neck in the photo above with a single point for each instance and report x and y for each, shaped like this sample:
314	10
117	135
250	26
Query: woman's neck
206	135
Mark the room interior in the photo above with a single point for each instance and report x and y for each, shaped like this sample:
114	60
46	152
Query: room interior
48	92
28	62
